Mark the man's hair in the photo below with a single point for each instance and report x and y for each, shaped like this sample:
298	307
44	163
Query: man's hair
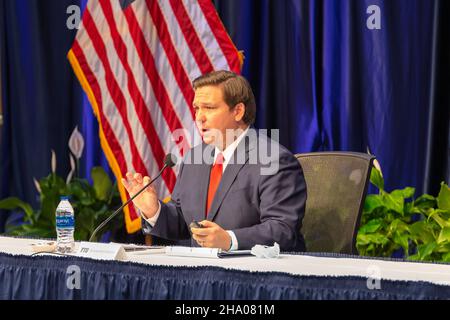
235	89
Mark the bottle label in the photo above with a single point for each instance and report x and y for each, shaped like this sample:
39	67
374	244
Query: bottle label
65	222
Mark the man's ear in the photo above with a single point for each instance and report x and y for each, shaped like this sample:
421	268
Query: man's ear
239	111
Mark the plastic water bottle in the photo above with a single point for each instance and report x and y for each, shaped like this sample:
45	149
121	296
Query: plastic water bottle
65	226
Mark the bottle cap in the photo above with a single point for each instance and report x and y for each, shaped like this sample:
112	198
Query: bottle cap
64	198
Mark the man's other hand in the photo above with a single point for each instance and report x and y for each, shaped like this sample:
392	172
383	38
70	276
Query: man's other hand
211	236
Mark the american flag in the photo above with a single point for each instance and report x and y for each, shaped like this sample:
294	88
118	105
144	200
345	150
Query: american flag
136	61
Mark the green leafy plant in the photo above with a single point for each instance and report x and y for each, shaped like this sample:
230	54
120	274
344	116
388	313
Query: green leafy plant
395	220
92	203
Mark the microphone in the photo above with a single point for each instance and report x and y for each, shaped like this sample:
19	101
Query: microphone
169	161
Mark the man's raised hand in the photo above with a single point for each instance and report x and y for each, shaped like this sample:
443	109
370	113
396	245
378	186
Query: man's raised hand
147	201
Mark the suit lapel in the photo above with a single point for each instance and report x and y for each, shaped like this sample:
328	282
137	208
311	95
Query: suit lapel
203	184
228	178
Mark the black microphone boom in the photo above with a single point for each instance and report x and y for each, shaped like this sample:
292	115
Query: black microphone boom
169	161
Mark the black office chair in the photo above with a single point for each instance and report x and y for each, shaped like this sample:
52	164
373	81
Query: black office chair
336	187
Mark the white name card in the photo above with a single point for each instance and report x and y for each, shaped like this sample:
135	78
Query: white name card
205	252
193	252
102	251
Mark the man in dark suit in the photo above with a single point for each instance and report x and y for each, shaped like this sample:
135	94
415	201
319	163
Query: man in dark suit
241	195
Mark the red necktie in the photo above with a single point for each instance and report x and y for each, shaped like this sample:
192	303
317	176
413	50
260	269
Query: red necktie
214	180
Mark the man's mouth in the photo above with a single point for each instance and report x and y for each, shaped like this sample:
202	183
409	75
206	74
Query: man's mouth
207	133
204	131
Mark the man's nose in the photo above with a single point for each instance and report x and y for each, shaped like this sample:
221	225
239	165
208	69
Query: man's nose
200	116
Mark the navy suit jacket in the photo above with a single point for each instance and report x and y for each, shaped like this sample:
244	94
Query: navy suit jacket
258	208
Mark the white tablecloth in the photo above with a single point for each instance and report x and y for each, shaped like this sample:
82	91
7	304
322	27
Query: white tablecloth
292	264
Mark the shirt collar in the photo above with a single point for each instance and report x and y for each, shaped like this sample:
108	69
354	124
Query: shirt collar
228	152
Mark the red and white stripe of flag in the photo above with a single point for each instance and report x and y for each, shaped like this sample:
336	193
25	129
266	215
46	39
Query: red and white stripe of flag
136	65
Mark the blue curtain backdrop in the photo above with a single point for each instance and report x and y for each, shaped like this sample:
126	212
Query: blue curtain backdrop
319	75
330	83
42	99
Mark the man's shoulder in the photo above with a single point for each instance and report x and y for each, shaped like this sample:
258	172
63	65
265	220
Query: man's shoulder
272	145
268	156
257	143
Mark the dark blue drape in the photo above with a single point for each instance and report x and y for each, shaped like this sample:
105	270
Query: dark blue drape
43	101
42	278
319	75
330	83
41	97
